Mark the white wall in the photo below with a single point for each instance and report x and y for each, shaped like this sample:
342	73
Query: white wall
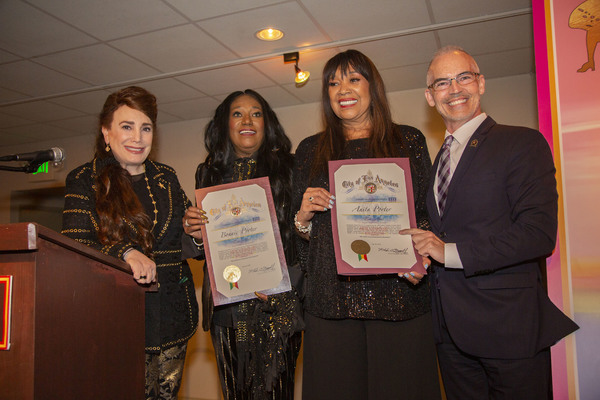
509	100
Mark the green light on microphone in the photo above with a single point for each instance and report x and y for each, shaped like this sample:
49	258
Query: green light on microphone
43	169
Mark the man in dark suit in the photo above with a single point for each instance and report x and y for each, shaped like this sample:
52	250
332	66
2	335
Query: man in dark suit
492	203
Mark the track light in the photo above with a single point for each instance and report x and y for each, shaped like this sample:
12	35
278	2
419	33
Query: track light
301	76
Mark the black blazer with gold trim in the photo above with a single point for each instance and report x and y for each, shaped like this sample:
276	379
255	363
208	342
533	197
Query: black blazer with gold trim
172	312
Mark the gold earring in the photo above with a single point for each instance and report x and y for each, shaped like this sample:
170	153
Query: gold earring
107	148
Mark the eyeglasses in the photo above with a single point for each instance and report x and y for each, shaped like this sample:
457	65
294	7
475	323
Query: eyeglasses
463	79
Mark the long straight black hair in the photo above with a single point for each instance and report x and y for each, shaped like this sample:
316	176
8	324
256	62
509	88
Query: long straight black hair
273	159
332	140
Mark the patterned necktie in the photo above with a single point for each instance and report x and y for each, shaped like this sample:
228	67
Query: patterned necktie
443	174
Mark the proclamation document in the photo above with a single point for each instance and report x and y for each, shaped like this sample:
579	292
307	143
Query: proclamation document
243	247
374	200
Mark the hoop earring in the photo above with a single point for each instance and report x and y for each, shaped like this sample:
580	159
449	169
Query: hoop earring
107	148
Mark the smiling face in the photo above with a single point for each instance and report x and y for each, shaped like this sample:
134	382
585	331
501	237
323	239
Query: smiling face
350	98
130	138
458	104
246	125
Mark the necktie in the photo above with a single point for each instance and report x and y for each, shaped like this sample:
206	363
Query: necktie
443	174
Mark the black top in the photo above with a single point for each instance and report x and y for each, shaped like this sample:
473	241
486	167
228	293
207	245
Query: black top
384	297
172	312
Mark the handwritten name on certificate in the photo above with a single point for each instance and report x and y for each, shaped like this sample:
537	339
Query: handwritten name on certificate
243	247
374	200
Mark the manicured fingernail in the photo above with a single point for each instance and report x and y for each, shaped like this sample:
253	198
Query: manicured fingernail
426	265
412	273
406	275
333	197
325	208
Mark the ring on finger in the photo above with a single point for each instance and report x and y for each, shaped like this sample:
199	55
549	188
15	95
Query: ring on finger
311	199
186	223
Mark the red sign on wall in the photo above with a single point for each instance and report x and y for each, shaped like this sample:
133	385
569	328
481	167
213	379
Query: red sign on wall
5	310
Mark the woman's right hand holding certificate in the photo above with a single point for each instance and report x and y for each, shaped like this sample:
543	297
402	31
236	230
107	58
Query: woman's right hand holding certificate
193	220
314	200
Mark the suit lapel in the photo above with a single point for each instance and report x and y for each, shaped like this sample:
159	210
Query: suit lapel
475	142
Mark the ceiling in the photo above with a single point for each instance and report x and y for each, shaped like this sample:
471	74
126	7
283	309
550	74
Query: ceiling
59	59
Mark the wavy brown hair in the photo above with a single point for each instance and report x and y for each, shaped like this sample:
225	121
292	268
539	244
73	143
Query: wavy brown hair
332	140
122	216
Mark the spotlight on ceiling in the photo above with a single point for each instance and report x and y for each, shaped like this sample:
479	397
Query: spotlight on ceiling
269	34
301	76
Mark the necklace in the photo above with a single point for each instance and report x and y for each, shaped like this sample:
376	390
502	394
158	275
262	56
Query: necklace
152	200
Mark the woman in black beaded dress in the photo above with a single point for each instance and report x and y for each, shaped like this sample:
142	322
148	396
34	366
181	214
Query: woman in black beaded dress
130	207
256	341
366	337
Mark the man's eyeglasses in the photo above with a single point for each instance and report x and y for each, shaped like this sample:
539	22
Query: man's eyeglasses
463	79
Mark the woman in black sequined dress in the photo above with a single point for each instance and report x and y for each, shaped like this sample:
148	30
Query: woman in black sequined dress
256	341
367	337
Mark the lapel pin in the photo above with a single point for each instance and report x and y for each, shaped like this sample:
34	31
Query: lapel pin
474	143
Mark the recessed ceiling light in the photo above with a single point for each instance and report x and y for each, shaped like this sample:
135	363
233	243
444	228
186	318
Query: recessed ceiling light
269	34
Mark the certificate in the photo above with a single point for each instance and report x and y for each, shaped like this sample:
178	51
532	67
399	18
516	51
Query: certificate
243	247
374	200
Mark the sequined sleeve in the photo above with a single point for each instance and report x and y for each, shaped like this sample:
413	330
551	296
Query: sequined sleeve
302	164
420	171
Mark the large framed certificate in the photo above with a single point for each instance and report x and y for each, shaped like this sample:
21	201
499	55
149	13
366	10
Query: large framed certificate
374	200
242	243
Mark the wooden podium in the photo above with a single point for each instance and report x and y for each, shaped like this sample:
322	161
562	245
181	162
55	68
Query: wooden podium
77	320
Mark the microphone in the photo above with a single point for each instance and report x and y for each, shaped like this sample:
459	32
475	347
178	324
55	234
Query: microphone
55	154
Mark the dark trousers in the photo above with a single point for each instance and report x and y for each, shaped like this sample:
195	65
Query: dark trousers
369	359
474	378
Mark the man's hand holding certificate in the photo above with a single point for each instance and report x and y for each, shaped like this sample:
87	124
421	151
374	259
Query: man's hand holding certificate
374	202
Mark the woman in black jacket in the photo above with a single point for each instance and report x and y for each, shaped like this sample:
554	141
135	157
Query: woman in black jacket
130	207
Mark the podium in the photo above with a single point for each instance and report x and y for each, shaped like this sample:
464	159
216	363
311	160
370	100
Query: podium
77	320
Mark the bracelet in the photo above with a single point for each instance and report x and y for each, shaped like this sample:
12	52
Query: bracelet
199	245
301	228
126	252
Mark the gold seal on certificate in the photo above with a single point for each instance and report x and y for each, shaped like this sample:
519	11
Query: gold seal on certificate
232	274
374	201
243	248
361	248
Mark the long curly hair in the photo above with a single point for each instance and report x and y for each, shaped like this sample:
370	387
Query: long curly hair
122	216
273	158
332	140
